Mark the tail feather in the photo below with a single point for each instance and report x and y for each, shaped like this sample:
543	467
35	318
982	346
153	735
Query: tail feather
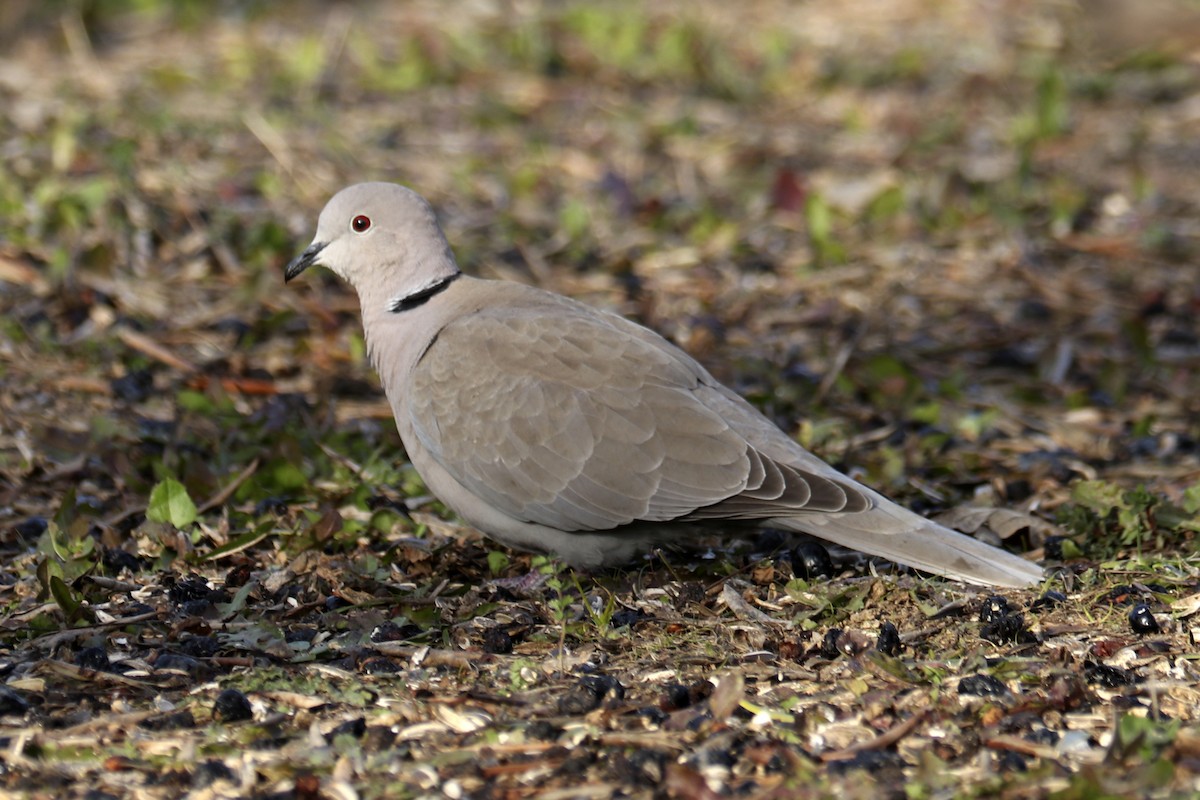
895	533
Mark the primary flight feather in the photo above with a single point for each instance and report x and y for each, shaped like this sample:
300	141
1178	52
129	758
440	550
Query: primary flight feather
556	427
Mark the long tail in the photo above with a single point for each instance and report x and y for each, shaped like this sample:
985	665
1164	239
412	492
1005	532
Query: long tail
897	534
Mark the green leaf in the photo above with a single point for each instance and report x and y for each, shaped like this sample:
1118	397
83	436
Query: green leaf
1052	112
973	426
285	476
67	510
239	543
886	204
169	502
196	402
72	547
929	413
575	218
820	220
1071	550
497	561
1142	737
1191	499
47	570
65	598
1100	496
238	602
50	543
894	667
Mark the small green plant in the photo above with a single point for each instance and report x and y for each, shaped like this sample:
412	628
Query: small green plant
1114	517
554	571
170	502
818	217
560	603
601	617
1142	739
68	553
522	674
1131	510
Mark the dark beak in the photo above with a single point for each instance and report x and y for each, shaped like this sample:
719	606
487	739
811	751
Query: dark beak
303	261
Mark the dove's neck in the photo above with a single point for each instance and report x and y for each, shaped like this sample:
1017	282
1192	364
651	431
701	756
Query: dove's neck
400	321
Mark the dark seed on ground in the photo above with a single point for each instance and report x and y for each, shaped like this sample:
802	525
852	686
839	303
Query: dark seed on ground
811	560
1108	677
391	632
642	766
1043	736
354	727
577	763
497	640
544	731
211	771
1013	762
1142	620
589	693
196	608
239	576
380	666
93	658
199	646
116	559
889	642
377	737
133	387
178	721
1054	547
675	696
306	633
232	706
1049	600
829	649
1121	595
691	592
192	667
270	505
872	761
333	603
994	607
1008	629
190	588
982	685
627	618
11	702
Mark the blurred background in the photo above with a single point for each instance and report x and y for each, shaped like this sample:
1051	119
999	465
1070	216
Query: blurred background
950	245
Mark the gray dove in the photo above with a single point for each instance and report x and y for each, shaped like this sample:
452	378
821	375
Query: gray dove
555	427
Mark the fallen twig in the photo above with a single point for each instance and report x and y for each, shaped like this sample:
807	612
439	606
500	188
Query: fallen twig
885	739
147	346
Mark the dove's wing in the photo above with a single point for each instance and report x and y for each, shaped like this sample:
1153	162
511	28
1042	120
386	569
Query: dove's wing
566	417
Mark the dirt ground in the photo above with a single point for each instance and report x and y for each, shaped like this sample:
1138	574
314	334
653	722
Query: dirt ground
949	245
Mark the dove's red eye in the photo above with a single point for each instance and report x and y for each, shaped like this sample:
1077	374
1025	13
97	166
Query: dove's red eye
360	224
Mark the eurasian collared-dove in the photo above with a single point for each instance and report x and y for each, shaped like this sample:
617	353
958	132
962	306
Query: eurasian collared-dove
555	427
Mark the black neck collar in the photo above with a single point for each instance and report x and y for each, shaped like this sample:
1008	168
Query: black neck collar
418	298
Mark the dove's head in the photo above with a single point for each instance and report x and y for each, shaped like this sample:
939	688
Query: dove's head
382	238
